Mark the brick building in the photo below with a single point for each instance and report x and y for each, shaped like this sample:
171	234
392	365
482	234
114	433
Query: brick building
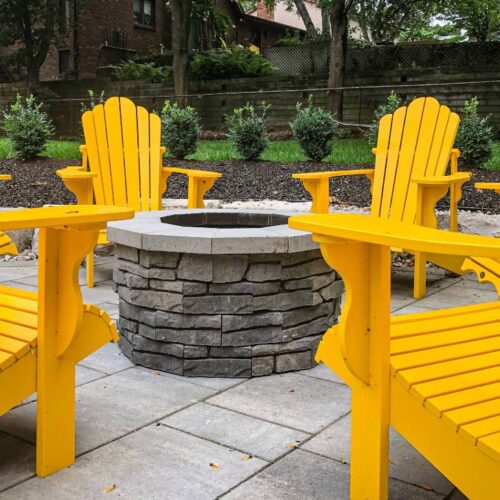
95	34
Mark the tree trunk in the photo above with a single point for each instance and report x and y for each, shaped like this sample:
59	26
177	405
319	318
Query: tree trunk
325	21
336	74
181	28
304	14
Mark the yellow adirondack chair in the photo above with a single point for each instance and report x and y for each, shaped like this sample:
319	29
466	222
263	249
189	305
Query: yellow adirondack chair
122	163
6	243
433	376
44	335
414	147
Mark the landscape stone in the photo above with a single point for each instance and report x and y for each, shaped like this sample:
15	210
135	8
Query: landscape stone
167	286
191	351
245	287
264	272
159	259
218	304
222	367
162	274
128	324
195	267
185	321
153	299
231	352
229	268
283	301
332	291
310	268
194	288
134	281
234	322
262	366
265	335
305	314
292	362
318	325
293	259
286	347
322	280
162	362
127	253
142	343
300	284
190	337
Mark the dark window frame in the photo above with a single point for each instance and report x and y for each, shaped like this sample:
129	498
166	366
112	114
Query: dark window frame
141	18
64	56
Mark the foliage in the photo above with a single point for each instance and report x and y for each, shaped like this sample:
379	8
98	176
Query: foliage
28	127
314	128
181	129
213	23
393	103
247	131
233	63
448	32
92	101
475	136
29	26
479	18
132	70
383	21
290	39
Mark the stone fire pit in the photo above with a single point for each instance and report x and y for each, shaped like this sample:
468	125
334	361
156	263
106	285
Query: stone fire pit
223	293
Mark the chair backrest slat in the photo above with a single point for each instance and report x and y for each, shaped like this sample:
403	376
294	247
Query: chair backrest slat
414	141
123	143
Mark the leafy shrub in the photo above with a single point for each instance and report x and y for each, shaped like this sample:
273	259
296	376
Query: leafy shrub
313	128
92	101
393	103
475	136
234	63
181	129
28	127
132	70
247	131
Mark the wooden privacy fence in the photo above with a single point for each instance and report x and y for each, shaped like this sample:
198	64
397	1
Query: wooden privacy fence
314	57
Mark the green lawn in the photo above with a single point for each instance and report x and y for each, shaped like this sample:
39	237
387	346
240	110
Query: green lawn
352	151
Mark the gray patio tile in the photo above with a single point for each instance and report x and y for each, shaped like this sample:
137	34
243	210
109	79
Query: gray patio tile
217	384
8	273
457	295
304	403
110	308
411	309
20	285
406	463
103	292
323	372
251	435
154	463
17	461
108	359
111	407
301	475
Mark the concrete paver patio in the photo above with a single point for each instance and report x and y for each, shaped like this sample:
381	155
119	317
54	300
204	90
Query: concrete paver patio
146	434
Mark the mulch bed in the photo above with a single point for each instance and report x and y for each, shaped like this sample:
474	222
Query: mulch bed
35	183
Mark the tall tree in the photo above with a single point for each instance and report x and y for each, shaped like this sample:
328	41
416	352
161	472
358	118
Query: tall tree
306	17
181	30
479	18
32	25
383	21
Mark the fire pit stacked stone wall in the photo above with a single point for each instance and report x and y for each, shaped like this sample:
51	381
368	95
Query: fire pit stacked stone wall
232	296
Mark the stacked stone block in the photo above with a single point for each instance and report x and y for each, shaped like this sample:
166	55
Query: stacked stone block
224	315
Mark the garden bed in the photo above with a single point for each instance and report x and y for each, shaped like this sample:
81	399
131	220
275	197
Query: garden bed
35	183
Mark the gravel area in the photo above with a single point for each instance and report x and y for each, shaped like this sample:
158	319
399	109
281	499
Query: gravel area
35	183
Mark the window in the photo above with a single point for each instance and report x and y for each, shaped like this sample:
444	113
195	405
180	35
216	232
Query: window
63	15
144	12
63	61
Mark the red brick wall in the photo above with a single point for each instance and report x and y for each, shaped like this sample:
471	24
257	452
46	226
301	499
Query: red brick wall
97	20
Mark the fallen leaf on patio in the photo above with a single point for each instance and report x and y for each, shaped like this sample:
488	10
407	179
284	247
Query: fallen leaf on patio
109	489
291	446
291	390
244	458
214	466
156	373
425	486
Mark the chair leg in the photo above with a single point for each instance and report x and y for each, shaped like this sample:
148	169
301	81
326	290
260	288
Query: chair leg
420	276
90	269
55	422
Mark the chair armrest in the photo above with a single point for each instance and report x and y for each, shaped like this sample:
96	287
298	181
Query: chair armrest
192	173
79	181
62	216
443	180
333	173
493	186
75	172
5	177
384	232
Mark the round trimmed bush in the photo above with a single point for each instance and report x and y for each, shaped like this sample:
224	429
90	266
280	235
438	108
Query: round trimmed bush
181	130
313	128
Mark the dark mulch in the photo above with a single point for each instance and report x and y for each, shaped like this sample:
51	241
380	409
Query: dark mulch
35	183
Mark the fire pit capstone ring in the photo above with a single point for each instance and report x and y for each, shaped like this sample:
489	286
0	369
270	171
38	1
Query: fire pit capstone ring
222	293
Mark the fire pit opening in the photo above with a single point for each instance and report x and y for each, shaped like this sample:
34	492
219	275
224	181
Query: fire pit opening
225	220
